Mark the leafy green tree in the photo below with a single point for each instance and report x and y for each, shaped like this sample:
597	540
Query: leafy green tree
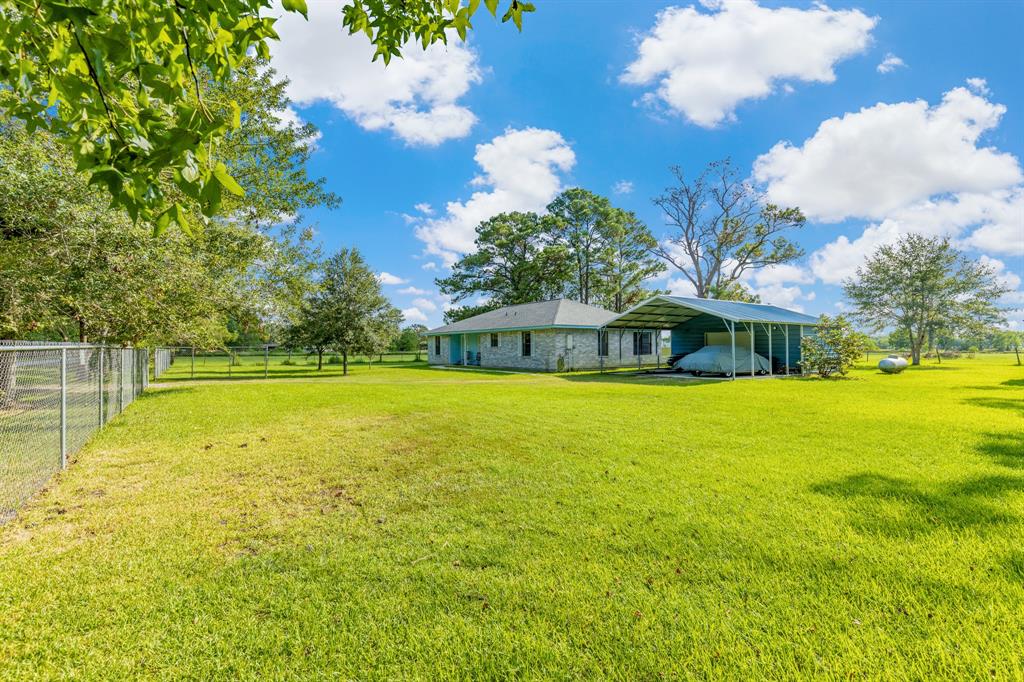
349	312
120	82
733	291
409	339
578	222
722	228
834	348
457	313
924	285
626	262
512	263
75	267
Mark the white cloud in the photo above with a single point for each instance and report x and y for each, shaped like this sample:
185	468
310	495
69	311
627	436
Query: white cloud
388	278
414	315
623	187
840	259
429	265
978	85
521	170
783	296
424	208
706	63
890	64
785	273
415	97
1007	277
888	157
997	220
680	286
425	304
413	291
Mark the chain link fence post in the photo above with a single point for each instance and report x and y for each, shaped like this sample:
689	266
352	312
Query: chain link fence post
63	408
99	387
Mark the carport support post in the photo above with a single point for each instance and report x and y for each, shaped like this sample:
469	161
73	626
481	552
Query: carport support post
785	331
732	335
801	349
751	349
771	369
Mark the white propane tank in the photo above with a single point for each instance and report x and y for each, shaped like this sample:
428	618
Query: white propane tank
893	364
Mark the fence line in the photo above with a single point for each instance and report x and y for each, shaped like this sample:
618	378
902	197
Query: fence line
189	362
53	397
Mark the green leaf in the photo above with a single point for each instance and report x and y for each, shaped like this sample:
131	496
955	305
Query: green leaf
296	6
220	171
492	7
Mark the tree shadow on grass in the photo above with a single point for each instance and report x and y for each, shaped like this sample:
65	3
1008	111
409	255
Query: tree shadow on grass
895	507
1005	449
1014	405
1013	382
639	378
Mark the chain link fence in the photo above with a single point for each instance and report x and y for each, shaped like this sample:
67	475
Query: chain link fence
53	397
259	362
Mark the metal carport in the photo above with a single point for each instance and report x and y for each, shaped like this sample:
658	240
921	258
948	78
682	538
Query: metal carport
676	312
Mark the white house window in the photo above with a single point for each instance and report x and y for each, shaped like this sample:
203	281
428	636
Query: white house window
602	344
527	344
641	343
437	345
494	340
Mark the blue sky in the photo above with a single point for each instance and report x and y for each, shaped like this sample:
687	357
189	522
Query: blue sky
608	95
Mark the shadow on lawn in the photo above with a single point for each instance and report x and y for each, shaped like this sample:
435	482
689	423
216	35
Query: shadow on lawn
895	507
1015	405
633	377
1005	449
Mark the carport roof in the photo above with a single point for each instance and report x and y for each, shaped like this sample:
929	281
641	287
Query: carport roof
663	312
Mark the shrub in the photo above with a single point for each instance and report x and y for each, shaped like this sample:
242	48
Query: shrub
288	361
833	349
334	360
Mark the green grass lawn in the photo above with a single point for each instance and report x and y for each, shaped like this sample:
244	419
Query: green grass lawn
417	523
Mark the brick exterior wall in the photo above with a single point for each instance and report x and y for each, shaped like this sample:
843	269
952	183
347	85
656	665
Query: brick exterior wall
548	345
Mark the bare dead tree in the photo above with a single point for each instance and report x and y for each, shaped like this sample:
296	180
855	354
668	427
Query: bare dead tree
722	227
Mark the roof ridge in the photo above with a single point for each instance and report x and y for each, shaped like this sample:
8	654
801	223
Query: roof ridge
725	300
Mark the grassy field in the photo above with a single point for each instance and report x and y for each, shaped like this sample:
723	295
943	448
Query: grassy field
417	523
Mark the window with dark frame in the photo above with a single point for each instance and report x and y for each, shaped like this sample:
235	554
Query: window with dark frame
437	345
641	343
602	344
527	343
494	340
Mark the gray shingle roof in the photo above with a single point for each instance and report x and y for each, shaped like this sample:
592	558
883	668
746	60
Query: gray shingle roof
662	312
560	312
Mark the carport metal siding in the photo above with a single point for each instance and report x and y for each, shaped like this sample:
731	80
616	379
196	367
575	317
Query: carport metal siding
690	318
689	337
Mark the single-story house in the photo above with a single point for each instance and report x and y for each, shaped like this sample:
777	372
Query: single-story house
547	336
767	330
566	335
